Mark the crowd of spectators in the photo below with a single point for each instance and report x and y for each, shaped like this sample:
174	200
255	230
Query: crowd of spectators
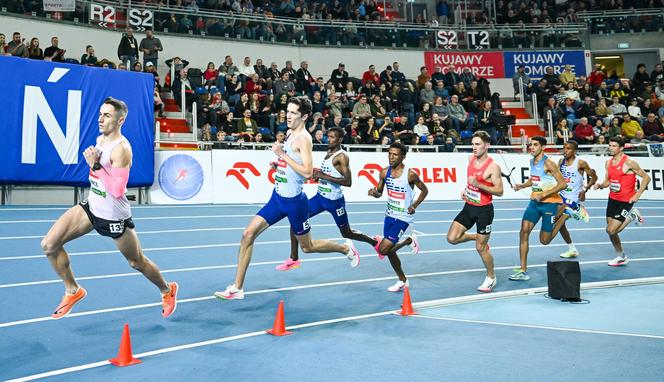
595	108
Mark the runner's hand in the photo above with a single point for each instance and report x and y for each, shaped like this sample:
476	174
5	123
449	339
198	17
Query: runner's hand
278	149
374	192
411	210
582	196
634	199
473	181
91	156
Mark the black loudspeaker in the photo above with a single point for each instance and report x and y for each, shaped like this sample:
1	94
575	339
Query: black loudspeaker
564	280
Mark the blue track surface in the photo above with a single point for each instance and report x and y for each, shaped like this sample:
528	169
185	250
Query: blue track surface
197	247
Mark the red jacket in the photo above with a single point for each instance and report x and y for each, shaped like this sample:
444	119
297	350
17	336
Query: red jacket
596	77
366	76
581	132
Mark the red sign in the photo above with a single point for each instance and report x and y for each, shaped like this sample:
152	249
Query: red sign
483	65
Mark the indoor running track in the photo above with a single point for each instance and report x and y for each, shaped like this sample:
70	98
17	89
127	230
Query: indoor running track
342	318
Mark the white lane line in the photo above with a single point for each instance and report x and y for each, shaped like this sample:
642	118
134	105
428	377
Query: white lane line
207	206
555	328
197	345
297	287
203	246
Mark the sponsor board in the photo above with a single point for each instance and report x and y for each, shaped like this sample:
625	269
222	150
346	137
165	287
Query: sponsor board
182	178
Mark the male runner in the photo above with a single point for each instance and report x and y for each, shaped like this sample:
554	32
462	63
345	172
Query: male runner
621	172
484	181
106	210
400	182
546	182
574	170
334	172
287	200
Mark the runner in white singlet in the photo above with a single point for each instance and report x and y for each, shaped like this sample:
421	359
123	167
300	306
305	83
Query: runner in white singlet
106	211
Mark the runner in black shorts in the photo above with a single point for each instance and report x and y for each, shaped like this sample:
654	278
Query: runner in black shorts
109	228
484	181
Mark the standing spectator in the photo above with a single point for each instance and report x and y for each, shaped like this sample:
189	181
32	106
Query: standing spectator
34	51
128	48
370	75
443	12
304	79
16	47
485	117
150	46
567	76
89	58
527	83
53	52
339	77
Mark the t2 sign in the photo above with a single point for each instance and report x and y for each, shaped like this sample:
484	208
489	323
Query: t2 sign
478	40
105	16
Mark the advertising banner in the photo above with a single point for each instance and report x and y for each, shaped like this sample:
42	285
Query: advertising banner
535	62
182	178
59	5
483	65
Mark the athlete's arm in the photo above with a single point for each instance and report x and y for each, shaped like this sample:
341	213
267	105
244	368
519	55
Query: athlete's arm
551	167
645	179
342	164
115	180
413	178
520	186
605	183
586	170
305	146
377	191
495	178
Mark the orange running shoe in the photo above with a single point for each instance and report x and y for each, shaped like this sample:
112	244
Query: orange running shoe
169	300
68	302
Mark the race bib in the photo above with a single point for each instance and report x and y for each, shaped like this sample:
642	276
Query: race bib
614	186
536	183
396	201
472	195
96	185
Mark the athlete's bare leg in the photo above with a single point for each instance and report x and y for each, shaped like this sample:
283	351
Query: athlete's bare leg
72	224
457	234
390	250
482	247
310	245
613	227
346	232
546	237
130	247
255	227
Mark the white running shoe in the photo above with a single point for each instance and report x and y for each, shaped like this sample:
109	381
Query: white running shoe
353	255
618	261
231	293
636	216
414	245
398	286
570	254
488	285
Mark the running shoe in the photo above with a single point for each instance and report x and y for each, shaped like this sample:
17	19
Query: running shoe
378	239
231	293
636	216
414	245
288	265
68	302
520	276
169	300
570	254
619	261
353	255
488	285
398	286
583	214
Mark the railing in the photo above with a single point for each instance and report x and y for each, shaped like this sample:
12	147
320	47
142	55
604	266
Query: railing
522	89
624	21
549	125
113	15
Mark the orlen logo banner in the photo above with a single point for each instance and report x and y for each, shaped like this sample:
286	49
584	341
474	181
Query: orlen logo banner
535	62
483	65
49	116
182	177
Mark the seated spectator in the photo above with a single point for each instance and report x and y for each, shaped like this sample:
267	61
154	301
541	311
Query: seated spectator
35	52
317	123
336	105
562	132
421	130
373	132
630	127
640	77
339	77
467	77
16	47
556	112
634	111
552	80
180	83
618	91
584	132
3	45
572	93
138	67
252	84
210	75
423	78
362	110
603	149
89	58
426	112
485	119
53	52
438	76
403	132
427	94
371	75
450	146
247	127
280	122
653	129
460	119
615	128
319	141
567	76
527	82
451	78
617	108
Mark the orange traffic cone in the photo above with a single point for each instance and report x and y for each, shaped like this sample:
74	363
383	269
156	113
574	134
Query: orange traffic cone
125	356
406	307
279	327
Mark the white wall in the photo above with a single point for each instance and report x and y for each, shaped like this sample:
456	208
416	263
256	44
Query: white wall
199	51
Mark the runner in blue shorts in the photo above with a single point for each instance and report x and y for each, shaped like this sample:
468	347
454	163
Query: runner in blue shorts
546	182
401	204
287	200
334	173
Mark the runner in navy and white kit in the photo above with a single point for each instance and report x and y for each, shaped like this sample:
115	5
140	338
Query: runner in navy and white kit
106	211
334	173
401	204
287	200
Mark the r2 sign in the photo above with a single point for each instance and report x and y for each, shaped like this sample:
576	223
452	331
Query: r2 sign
141	19
103	15
447	40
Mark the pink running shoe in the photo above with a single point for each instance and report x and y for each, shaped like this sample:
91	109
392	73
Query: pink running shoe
288	265
378	238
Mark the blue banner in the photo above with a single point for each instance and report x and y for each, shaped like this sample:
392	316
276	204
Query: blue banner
535	62
49	117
